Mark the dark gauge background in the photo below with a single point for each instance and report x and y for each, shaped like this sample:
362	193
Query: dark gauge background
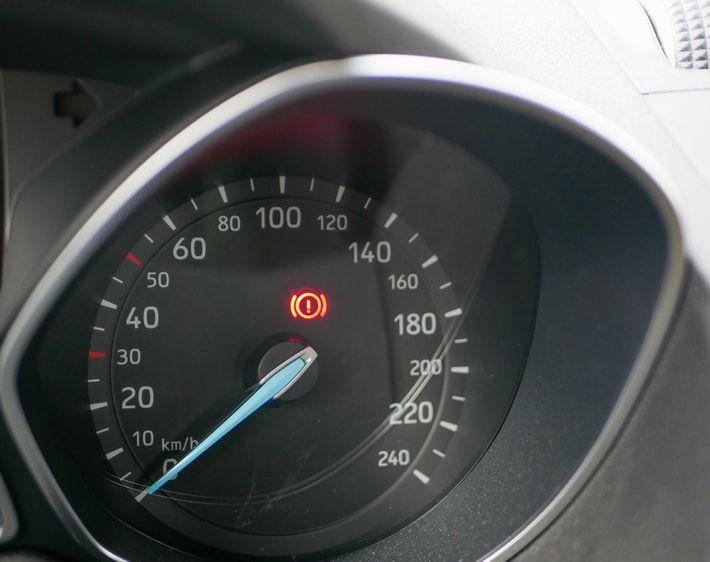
463	211
278	472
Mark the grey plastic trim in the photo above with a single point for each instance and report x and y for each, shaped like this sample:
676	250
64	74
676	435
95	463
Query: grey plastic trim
634	32
294	84
8	517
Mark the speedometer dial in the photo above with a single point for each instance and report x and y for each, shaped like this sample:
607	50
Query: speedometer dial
282	358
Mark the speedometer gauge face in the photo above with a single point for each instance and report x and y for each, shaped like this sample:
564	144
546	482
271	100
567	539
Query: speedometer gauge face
283	360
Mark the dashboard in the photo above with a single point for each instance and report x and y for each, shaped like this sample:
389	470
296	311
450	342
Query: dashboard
301	281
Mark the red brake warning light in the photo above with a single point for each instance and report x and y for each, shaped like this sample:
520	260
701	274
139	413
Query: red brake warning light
307	304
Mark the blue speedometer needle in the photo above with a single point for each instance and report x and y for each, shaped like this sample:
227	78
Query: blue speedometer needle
271	387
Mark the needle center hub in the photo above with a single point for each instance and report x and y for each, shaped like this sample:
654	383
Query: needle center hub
279	353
